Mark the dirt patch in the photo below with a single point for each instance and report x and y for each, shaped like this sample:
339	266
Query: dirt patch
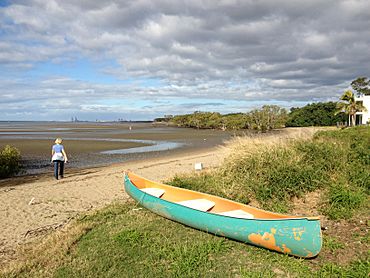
343	240
352	235
308	205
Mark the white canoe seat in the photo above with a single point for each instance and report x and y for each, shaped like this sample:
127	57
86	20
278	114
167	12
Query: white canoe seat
238	213
156	192
199	204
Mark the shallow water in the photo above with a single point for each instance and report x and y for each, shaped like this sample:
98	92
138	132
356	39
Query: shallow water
156	147
97	144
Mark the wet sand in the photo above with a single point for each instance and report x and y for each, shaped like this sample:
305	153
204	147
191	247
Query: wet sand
99	144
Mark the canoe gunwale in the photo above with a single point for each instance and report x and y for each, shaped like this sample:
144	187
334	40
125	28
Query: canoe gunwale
310	218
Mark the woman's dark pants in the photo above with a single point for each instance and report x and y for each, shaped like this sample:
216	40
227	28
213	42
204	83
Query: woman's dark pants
60	165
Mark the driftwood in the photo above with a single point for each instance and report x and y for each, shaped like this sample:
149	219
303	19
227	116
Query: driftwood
46	228
30	203
8	189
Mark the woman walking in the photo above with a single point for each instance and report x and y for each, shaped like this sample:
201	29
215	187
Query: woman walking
59	156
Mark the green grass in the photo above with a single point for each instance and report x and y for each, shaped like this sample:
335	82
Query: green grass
123	242
145	244
359	268
344	201
334	161
332	244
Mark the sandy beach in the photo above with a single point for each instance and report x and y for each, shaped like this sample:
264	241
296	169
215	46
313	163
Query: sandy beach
32	206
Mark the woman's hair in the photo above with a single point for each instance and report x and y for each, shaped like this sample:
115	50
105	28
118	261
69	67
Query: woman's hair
58	141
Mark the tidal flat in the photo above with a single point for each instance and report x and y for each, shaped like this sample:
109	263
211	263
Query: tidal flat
91	144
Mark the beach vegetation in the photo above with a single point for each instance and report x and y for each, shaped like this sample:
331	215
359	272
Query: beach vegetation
10	161
266	118
263	119
315	114
336	162
164	119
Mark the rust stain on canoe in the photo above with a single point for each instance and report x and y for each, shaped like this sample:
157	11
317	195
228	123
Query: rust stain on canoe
267	240
309	253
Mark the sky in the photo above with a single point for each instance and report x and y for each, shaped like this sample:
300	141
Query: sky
142	59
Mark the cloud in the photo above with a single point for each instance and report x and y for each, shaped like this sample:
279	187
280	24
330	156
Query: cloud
223	51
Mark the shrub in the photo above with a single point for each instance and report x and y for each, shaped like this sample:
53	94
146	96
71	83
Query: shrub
9	161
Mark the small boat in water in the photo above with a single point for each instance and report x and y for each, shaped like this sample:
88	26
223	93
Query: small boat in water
294	235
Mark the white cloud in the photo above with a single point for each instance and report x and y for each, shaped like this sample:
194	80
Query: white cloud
261	51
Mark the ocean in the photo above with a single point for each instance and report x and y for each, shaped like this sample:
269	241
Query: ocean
91	144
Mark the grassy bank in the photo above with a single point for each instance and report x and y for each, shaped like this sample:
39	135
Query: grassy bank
124	240
272	173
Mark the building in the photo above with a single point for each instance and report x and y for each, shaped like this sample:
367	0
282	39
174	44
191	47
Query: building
363	118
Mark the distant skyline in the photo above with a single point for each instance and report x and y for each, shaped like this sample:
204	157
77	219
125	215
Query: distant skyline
141	59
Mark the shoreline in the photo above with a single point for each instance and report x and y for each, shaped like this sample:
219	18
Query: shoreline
97	145
36	205
28	177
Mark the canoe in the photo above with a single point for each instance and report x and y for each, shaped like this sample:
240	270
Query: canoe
294	235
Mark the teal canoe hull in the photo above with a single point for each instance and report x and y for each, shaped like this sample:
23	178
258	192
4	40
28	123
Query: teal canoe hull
294	236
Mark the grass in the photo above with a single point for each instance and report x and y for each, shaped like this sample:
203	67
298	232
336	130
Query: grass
136	242
344	201
123	240
359	268
332	244
337	162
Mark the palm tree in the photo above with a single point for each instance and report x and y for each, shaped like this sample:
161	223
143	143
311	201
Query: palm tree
349	106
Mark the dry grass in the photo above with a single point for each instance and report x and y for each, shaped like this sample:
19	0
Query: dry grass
254	147
47	254
252	143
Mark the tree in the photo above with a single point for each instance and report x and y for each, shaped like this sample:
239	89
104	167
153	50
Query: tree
276	116
361	85
315	114
205	120
349	106
235	121
165	118
268	117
